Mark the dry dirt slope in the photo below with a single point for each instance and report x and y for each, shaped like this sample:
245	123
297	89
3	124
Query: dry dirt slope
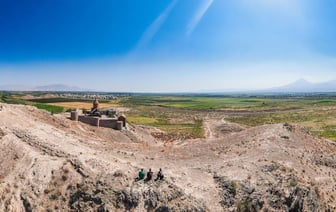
49	163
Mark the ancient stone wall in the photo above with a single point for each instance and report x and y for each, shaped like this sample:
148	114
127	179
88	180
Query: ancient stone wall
74	115
94	121
110	123
122	118
99	122
119	125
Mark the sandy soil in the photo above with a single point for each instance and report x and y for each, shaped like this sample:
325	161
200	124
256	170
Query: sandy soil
46	162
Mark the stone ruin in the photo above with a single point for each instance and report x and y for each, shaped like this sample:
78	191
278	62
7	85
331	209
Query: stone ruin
100	117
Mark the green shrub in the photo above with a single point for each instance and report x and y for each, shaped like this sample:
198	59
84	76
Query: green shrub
51	108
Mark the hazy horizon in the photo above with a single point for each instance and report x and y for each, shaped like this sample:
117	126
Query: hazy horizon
168	45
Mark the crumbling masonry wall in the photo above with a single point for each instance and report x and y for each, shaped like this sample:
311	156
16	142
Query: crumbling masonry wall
94	121
97	121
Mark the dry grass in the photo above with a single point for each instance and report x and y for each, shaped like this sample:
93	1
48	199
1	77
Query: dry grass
321	121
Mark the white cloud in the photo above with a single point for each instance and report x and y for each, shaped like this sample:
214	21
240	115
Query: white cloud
155	26
198	16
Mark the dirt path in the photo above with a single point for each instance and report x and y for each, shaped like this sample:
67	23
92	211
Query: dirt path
207	127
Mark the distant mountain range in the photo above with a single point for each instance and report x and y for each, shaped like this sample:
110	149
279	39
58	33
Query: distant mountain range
58	87
303	86
53	87
299	86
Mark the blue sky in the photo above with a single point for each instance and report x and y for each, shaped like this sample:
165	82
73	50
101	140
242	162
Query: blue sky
167	45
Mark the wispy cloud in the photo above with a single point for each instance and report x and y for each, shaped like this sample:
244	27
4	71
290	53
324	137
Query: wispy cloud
155	26
198	16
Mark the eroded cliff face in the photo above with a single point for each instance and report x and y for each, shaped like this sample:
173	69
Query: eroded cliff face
70	191
48	163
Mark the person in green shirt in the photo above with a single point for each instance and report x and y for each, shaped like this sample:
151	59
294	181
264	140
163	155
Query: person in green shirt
142	174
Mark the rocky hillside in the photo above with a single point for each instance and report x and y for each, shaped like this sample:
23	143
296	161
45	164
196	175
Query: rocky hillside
49	163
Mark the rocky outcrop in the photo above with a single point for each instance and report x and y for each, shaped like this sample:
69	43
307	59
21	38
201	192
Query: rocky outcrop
2	133
286	196
113	193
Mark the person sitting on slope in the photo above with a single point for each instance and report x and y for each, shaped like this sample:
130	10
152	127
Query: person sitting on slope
159	175
149	175
141	176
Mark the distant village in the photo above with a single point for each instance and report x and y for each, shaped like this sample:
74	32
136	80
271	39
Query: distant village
87	96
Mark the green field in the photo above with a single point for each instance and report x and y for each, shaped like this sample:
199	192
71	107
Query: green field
316	112
10	98
184	114
178	128
229	102
51	108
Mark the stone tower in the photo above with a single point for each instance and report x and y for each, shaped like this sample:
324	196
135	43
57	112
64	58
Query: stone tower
95	104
